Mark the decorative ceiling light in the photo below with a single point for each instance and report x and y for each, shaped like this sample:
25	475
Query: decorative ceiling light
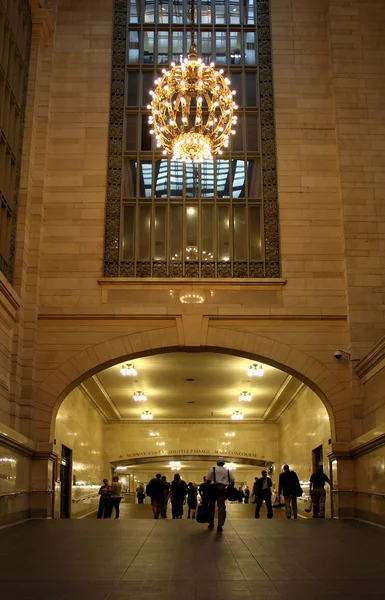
226	443
192	108
146	415
128	370
140	396
154	433
175	465
230	433
255	370
120	468
160	443
192	297
237	415
231	467
245	397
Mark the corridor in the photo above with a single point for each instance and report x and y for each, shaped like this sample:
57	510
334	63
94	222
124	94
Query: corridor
145	559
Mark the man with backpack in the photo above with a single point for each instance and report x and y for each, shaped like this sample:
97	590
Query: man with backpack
288	487
219	478
156	489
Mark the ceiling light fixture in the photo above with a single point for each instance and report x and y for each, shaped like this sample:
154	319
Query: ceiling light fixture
237	415
192	108
192	297
175	465
160	443
140	396
231	467
226	443
154	433
255	370
146	415
230	433
128	370
245	397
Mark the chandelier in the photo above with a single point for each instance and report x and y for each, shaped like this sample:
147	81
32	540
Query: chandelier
230	433
128	370
237	415
154	433
192	108
139	396
255	370
245	397
146	415
175	465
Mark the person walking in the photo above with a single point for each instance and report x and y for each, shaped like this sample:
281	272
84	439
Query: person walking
104	493
178	491
264	485
247	494
318	492
114	499
163	508
219	478
240	495
155	489
254	492
204	492
192	499
140	493
288	487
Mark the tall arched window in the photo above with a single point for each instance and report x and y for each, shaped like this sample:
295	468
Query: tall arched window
165	218
15	42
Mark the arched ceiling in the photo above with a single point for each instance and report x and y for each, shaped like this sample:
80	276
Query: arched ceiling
191	386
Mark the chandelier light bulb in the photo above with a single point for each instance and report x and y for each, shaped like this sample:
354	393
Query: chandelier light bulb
255	370
146	415
245	397
192	109
140	396
128	370
237	415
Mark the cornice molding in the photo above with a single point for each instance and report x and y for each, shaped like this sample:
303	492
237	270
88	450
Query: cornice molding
10	296
169	317
186	282
19	447
369	363
227	422
43	14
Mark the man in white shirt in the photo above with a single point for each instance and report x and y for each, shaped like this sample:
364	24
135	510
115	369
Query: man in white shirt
219	477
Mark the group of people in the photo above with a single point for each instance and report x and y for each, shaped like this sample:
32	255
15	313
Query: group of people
178	491
214	492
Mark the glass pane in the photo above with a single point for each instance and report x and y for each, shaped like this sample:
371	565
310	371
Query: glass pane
255	233
239	179
144	232
132	88
163	11
236	84
145	183
220	47
223	180
160	233
162	47
254	178
250	48
134	11
191	233
235	13
177	11
133	47
220	11
146	136
237	143
161	179
149	11
192	180
252	132
176	179
128	233
147	85
240	233
251	89
177	46
131	132
249	10
129	178
235	48
206	50
207	179
148	47
207	233
176	231
206	12
223	233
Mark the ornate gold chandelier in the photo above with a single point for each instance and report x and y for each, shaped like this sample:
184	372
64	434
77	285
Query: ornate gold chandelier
192	109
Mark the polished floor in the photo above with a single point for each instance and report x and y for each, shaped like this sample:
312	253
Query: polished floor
169	559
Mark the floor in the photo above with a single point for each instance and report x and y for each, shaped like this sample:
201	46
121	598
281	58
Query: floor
144	559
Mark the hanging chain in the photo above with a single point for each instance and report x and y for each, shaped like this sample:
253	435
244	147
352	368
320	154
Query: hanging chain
192	17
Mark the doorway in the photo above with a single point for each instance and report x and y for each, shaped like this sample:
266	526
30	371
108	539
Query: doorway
65	481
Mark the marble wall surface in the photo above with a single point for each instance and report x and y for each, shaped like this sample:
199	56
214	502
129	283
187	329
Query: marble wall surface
80	427
14	486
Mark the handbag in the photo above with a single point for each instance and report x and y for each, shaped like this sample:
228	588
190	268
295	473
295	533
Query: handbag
231	491
201	515
299	491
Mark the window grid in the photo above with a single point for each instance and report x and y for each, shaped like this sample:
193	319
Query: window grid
15	29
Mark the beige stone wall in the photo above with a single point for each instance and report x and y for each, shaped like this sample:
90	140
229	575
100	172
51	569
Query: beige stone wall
369	472
80	427
15	475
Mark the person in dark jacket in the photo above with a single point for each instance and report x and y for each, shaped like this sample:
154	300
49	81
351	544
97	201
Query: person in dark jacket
156	490
240	494
178	491
247	494
204	490
192	500
288	487
264	484
104	493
